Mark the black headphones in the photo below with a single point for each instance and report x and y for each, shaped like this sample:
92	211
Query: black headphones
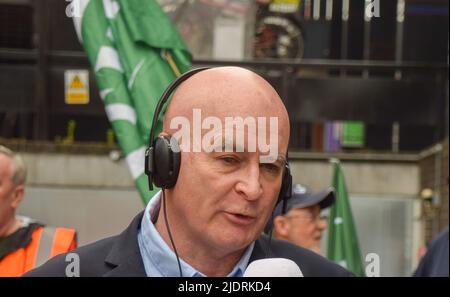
163	156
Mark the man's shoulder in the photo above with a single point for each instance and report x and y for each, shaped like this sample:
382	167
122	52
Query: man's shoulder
435	261
311	264
113	256
91	259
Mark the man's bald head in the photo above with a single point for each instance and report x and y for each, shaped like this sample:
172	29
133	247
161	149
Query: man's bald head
228	92
223	197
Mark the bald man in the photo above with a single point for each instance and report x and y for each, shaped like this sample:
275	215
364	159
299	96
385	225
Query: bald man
225	192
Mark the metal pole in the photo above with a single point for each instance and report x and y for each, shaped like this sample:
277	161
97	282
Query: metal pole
41	16
329	10
366	42
344	34
316	10
399	36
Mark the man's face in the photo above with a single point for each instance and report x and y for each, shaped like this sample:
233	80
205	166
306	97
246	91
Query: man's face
223	197
8	191
302	226
226	198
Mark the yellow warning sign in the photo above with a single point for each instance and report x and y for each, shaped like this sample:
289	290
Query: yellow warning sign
76	83
76	86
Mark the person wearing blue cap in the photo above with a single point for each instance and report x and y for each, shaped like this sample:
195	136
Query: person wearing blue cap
302	223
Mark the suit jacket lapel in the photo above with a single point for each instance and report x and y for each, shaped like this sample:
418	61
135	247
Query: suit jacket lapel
261	249
125	257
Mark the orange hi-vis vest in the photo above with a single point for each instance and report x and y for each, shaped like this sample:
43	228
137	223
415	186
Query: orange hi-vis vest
46	242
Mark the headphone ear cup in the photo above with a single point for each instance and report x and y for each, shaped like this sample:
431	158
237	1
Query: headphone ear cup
176	161
286	186
167	158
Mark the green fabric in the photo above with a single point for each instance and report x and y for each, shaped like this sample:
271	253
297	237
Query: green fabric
124	40
343	247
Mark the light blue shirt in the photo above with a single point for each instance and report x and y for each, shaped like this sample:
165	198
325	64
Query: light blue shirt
160	260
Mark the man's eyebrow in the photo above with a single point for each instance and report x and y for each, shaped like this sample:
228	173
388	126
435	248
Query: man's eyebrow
280	159
228	144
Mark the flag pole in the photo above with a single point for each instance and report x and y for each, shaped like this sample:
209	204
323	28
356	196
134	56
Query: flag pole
172	64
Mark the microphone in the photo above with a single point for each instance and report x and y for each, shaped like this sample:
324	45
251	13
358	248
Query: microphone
273	267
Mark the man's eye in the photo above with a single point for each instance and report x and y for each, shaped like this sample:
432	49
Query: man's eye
229	160
271	167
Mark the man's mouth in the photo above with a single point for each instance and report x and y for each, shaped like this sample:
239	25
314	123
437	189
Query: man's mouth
240	219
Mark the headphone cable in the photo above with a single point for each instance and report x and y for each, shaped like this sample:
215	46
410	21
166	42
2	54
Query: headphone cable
170	234
283	212
269	245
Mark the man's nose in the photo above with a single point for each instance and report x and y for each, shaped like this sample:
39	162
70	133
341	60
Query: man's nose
250	185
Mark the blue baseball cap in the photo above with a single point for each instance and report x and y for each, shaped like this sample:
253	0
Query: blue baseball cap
302	198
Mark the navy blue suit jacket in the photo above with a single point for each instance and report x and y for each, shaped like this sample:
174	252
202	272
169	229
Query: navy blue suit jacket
120	256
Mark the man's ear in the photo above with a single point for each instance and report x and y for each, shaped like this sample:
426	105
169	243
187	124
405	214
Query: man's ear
18	194
281	226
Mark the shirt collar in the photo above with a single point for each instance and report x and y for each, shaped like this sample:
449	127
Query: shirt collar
163	258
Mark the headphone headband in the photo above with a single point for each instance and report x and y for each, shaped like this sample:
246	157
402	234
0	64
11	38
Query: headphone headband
163	157
166	95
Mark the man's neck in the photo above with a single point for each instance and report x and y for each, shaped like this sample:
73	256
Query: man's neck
202	258
9	227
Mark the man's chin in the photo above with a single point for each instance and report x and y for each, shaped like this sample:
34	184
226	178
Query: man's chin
234	240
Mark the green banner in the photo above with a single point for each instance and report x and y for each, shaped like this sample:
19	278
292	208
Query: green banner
135	52
343	247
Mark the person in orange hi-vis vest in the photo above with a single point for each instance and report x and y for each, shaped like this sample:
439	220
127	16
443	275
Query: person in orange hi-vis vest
24	243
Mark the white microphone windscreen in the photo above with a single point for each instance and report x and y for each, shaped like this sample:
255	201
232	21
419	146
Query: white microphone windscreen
273	267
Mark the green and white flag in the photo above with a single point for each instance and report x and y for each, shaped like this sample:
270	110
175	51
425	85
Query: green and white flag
343	247
135	52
